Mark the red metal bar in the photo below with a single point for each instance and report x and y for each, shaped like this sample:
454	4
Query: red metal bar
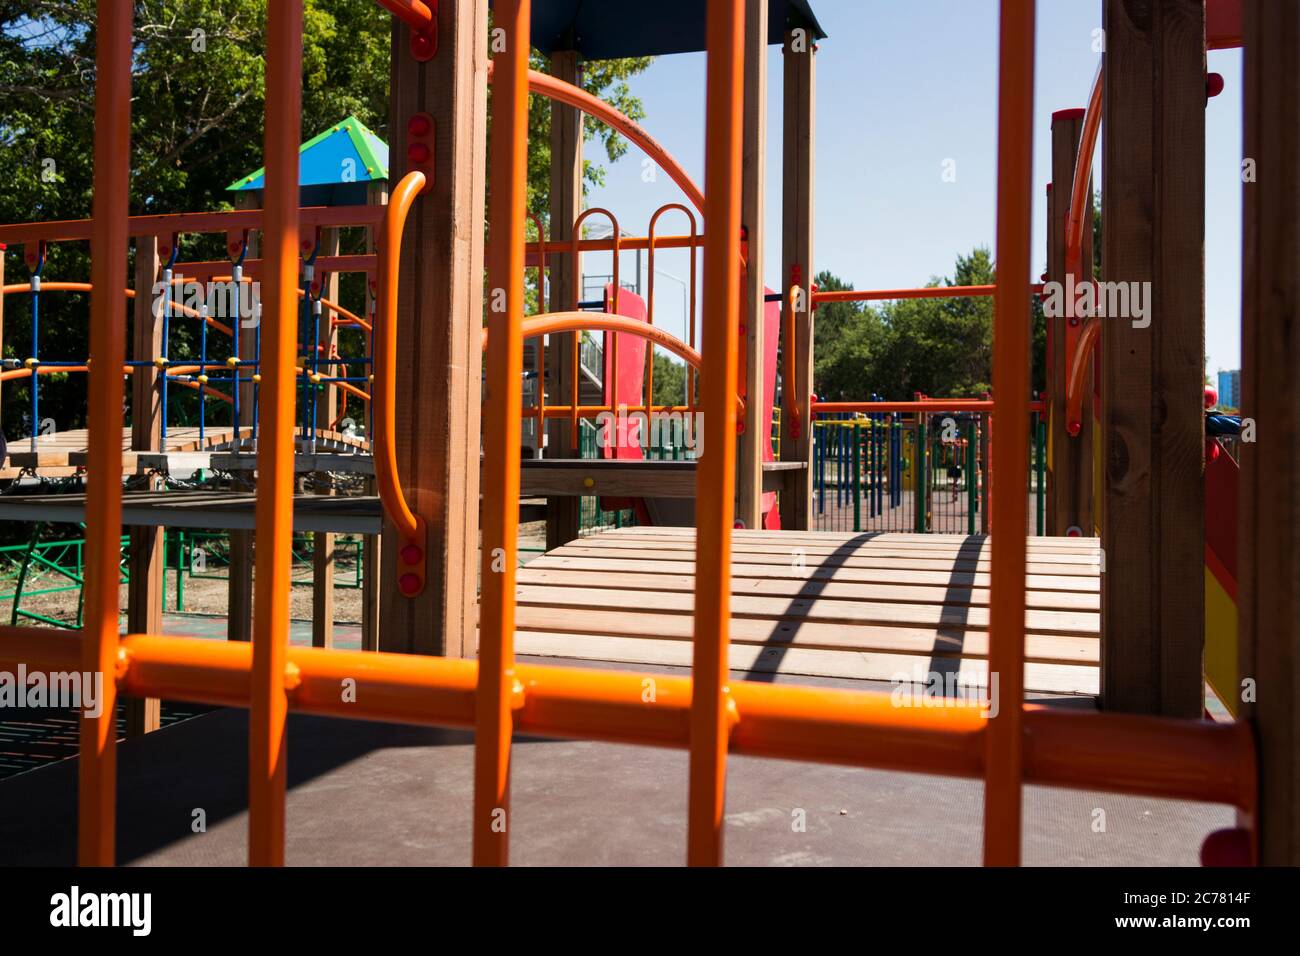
1004	763
97	772
501	430
712	709
274	510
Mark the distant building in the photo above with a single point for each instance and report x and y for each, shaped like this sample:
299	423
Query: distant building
1230	388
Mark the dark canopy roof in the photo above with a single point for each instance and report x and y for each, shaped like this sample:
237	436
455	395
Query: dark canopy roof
608	29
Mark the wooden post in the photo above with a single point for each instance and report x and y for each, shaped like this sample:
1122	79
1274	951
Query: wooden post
797	266
322	577
562	514
144	606
1069	476
439	337
749	458
1153	427
1269	527
370	576
239	609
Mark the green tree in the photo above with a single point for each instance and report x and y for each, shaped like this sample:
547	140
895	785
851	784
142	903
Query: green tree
197	117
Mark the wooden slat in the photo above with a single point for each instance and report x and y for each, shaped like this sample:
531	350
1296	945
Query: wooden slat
1049	678
827	588
800	609
883	562
949	579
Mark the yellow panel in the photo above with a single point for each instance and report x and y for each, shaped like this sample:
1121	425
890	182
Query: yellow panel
1221	642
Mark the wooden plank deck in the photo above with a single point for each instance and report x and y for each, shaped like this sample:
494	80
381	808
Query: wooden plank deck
874	606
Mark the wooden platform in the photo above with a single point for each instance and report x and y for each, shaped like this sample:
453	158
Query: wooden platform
874	606
68	449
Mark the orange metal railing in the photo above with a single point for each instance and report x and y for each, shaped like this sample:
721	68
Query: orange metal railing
707	713
1081	336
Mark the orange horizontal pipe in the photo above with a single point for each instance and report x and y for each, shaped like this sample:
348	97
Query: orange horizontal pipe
549	323
412	12
556	89
930	405
59	286
191	223
928	292
50	370
592	411
1153	756
625	243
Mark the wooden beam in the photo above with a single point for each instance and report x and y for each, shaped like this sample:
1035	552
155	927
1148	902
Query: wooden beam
1069	474
322	577
1268	522
800	98
439	337
562	514
749	457
144	605
239	604
1153	601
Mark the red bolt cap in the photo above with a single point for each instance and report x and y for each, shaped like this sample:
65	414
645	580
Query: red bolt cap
418	125
412	554
1226	848
409	583
418	153
1213	84
422	45
1074	428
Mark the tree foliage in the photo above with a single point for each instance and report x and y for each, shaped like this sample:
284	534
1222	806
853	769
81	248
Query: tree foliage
197	125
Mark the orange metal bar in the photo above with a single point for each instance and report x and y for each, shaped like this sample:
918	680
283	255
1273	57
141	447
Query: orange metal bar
626	243
929	405
550	323
611	387
190	223
384	389
690	294
274	511
541	346
711	720
556	89
1004	762
411	12
1079	191
1153	756
501	429
929	292
1080	360
97	772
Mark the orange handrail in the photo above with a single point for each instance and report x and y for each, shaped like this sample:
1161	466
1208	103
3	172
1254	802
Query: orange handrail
413	13
410	526
554	88
1080	339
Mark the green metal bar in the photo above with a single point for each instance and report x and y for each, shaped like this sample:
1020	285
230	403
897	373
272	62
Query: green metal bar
922	483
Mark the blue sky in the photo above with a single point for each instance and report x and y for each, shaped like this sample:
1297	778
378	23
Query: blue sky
903	85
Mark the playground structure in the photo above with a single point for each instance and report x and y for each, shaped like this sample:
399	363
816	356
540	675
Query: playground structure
1039	613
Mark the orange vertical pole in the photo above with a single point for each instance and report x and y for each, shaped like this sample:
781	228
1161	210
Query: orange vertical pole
1002	790
97	777
269	702
508	163
716	478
